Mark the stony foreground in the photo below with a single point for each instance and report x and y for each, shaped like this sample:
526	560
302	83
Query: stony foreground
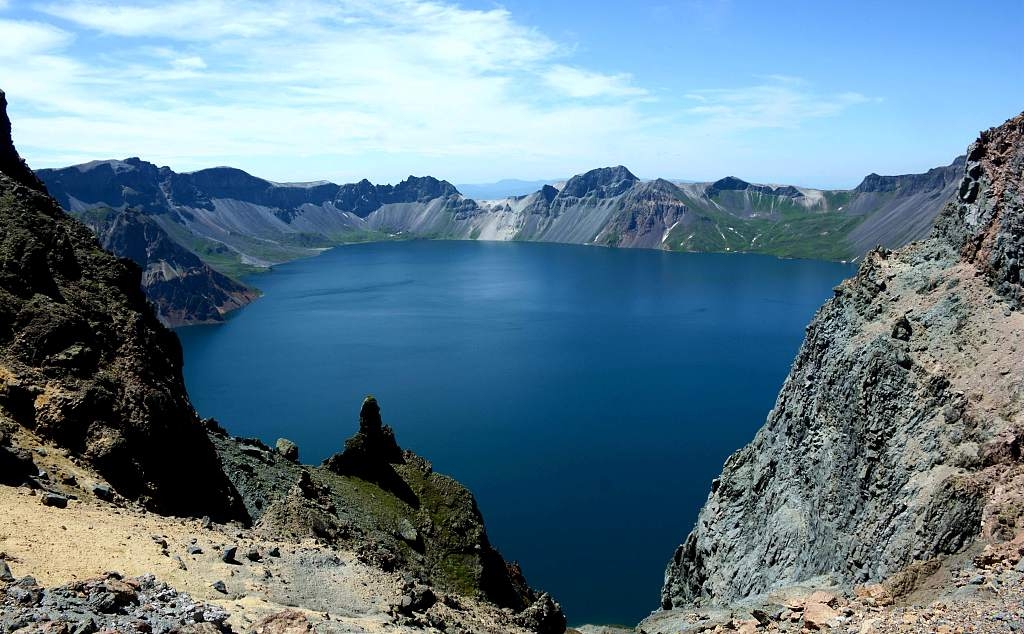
193	575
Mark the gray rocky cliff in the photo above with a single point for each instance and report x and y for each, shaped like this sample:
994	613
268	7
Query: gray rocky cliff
899	421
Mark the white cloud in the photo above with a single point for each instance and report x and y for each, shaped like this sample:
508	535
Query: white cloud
779	102
19	39
344	89
182	20
576	82
189	63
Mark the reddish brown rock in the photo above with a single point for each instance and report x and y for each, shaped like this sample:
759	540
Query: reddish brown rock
286	622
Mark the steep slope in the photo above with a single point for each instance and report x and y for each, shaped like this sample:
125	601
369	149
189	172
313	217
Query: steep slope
83	361
901	209
897	436
182	288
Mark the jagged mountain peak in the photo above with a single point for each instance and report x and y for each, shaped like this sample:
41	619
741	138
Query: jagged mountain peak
729	183
732	183
419	188
603	182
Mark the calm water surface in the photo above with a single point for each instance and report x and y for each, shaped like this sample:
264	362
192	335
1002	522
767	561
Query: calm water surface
587	396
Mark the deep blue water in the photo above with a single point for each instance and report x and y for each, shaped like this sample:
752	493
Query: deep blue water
587	396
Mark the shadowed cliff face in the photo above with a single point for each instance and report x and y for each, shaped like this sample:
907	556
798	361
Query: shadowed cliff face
182	288
85	364
901	415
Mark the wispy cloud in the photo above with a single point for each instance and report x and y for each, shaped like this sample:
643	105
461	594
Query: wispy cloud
344	89
778	102
576	82
20	38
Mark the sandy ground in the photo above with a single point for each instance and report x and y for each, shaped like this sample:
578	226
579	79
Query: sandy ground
89	538
332	588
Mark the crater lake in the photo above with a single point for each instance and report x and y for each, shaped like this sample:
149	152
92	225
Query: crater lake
587	396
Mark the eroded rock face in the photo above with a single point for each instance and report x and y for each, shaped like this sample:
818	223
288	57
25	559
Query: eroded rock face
901	409
182	288
85	364
986	220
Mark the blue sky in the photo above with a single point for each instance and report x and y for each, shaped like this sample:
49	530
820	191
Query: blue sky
810	93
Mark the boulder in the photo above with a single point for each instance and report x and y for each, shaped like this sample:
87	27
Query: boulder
407	531
228	555
544	616
16	466
103	492
874	594
824	597
818	616
287	449
5	572
286	622
55	500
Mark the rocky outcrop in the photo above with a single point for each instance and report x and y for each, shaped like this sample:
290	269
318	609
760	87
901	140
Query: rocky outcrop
604	182
390	507
899	420
85	364
986	223
182	288
370	449
11	163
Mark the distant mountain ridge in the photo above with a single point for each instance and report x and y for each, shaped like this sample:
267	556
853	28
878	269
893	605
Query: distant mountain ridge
238	223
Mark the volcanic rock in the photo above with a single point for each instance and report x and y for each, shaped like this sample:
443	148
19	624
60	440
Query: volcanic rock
85	364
